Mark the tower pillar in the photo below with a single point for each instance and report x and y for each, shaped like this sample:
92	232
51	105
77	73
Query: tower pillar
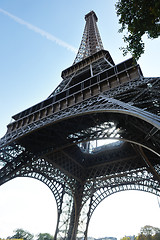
55	141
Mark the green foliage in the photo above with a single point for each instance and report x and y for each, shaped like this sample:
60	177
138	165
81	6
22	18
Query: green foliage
138	17
149	233
20	233
149	230
141	237
125	238
146	233
156	236
44	236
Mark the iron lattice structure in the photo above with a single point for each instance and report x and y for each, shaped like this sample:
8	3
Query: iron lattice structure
91	40
55	140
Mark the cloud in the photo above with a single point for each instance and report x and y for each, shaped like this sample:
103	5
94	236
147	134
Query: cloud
40	31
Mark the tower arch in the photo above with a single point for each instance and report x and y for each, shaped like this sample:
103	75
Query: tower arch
97	99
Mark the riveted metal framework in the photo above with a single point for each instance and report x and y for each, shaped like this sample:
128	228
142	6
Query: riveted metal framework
91	40
55	141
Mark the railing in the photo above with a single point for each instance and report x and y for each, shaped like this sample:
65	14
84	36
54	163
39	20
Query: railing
88	88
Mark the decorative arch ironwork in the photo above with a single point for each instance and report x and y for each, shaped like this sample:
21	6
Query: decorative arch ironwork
141	180
95	100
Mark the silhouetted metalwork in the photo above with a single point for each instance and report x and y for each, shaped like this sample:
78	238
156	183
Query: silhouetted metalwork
62	141
91	40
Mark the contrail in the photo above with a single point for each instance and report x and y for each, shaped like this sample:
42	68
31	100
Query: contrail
40	31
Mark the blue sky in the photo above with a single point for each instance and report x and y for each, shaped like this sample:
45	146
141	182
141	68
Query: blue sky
31	62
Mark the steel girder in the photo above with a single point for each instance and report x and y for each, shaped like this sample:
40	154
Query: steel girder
99	103
109	102
94	190
57	169
78	185
91	40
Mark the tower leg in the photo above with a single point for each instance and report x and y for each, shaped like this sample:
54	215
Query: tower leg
88	219
75	214
56	232
64	216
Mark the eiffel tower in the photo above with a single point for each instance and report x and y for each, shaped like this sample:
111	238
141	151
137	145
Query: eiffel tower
63	140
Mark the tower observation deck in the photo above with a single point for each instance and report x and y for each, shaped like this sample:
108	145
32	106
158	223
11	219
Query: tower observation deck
55	141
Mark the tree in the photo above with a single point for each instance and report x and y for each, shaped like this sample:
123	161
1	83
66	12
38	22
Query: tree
125	238
44	236
138	17
149	230
20	233
156	236
141	237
